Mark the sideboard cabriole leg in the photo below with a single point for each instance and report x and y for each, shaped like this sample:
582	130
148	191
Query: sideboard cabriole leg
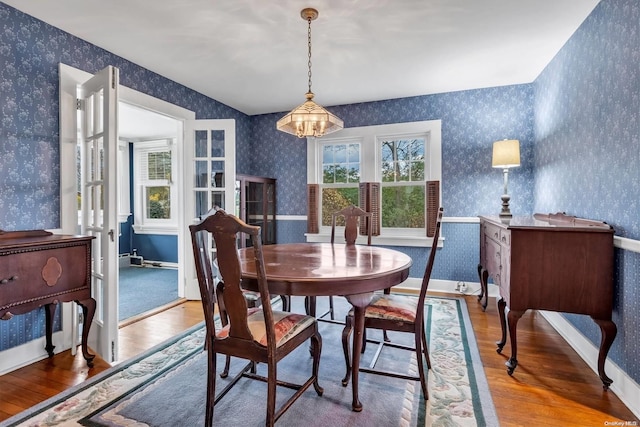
483	298
49	313
502	304
608	330
88	310
512	319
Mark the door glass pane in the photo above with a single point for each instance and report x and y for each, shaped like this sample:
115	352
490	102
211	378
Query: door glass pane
217	171
217	199
201	143
201	207
201	178
217	143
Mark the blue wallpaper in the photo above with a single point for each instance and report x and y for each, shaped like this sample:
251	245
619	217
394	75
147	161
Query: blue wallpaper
578	125
30	51
587	152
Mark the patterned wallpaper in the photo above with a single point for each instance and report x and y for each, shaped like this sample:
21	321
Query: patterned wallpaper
577	124
30	51
587	153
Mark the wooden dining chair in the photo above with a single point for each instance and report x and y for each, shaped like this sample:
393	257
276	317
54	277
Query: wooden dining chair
400	313
355	219
259	334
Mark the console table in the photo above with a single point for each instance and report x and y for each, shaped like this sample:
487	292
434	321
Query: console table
549	262
38	268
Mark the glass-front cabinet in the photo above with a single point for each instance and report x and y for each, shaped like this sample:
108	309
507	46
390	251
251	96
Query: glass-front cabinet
256	205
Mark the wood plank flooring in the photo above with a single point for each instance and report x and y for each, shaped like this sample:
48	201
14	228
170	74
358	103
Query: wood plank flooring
551	386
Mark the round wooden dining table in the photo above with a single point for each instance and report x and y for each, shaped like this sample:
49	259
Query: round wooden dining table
324	269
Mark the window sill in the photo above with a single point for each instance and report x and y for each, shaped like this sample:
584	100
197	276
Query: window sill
413	241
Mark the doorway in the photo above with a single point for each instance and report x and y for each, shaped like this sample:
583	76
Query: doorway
148	183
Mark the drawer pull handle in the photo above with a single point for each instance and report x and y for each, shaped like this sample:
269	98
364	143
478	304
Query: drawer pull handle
495	235
10	279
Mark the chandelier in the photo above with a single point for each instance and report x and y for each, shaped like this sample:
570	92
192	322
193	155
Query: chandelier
309	119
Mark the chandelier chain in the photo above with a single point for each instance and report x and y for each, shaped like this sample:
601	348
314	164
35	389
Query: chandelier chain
309	46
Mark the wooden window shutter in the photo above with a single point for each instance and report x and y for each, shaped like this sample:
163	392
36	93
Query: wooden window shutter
313	191
370	201
432	206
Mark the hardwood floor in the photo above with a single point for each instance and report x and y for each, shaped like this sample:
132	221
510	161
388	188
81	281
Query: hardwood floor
551	386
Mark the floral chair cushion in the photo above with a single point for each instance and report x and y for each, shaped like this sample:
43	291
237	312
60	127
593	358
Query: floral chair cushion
287	325
392	307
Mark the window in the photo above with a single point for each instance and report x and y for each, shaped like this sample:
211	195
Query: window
154	189
340	177
400	157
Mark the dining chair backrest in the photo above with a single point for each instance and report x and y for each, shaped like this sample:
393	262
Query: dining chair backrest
222	229
355	219
430	260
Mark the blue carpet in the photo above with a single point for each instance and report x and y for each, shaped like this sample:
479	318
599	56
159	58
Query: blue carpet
166	386
145	288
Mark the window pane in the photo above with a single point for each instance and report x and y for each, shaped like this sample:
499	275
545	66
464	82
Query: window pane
340	163
402	149
354	153
339	153
403	206
354	172
341	173
417	171
158	202
327	154
328	174
159	165
403	171
403	160
417	149
334	199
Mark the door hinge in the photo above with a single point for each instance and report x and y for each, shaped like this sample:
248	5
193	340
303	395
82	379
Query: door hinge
114	76
79	104
113	351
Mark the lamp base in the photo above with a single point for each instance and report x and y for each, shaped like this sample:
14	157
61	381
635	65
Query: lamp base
506	212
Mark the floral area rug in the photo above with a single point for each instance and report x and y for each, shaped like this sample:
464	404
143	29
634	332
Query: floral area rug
166	386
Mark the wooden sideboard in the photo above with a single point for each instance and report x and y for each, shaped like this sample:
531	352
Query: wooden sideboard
549	262
38	268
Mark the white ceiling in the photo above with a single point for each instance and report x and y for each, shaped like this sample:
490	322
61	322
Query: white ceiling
252	55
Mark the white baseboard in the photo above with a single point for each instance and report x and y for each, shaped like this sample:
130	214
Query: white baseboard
412	285
28	353
623	385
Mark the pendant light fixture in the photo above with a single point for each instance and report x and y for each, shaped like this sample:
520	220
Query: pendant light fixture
309	119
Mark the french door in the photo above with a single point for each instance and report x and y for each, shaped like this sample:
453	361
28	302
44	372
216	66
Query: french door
210	169
98	146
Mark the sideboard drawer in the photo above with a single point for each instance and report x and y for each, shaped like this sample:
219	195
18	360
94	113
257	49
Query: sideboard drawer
492	231
42	274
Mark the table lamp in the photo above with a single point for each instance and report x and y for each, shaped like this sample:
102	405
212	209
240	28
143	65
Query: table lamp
506	154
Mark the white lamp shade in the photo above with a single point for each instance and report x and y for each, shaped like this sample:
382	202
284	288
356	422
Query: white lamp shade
506	154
